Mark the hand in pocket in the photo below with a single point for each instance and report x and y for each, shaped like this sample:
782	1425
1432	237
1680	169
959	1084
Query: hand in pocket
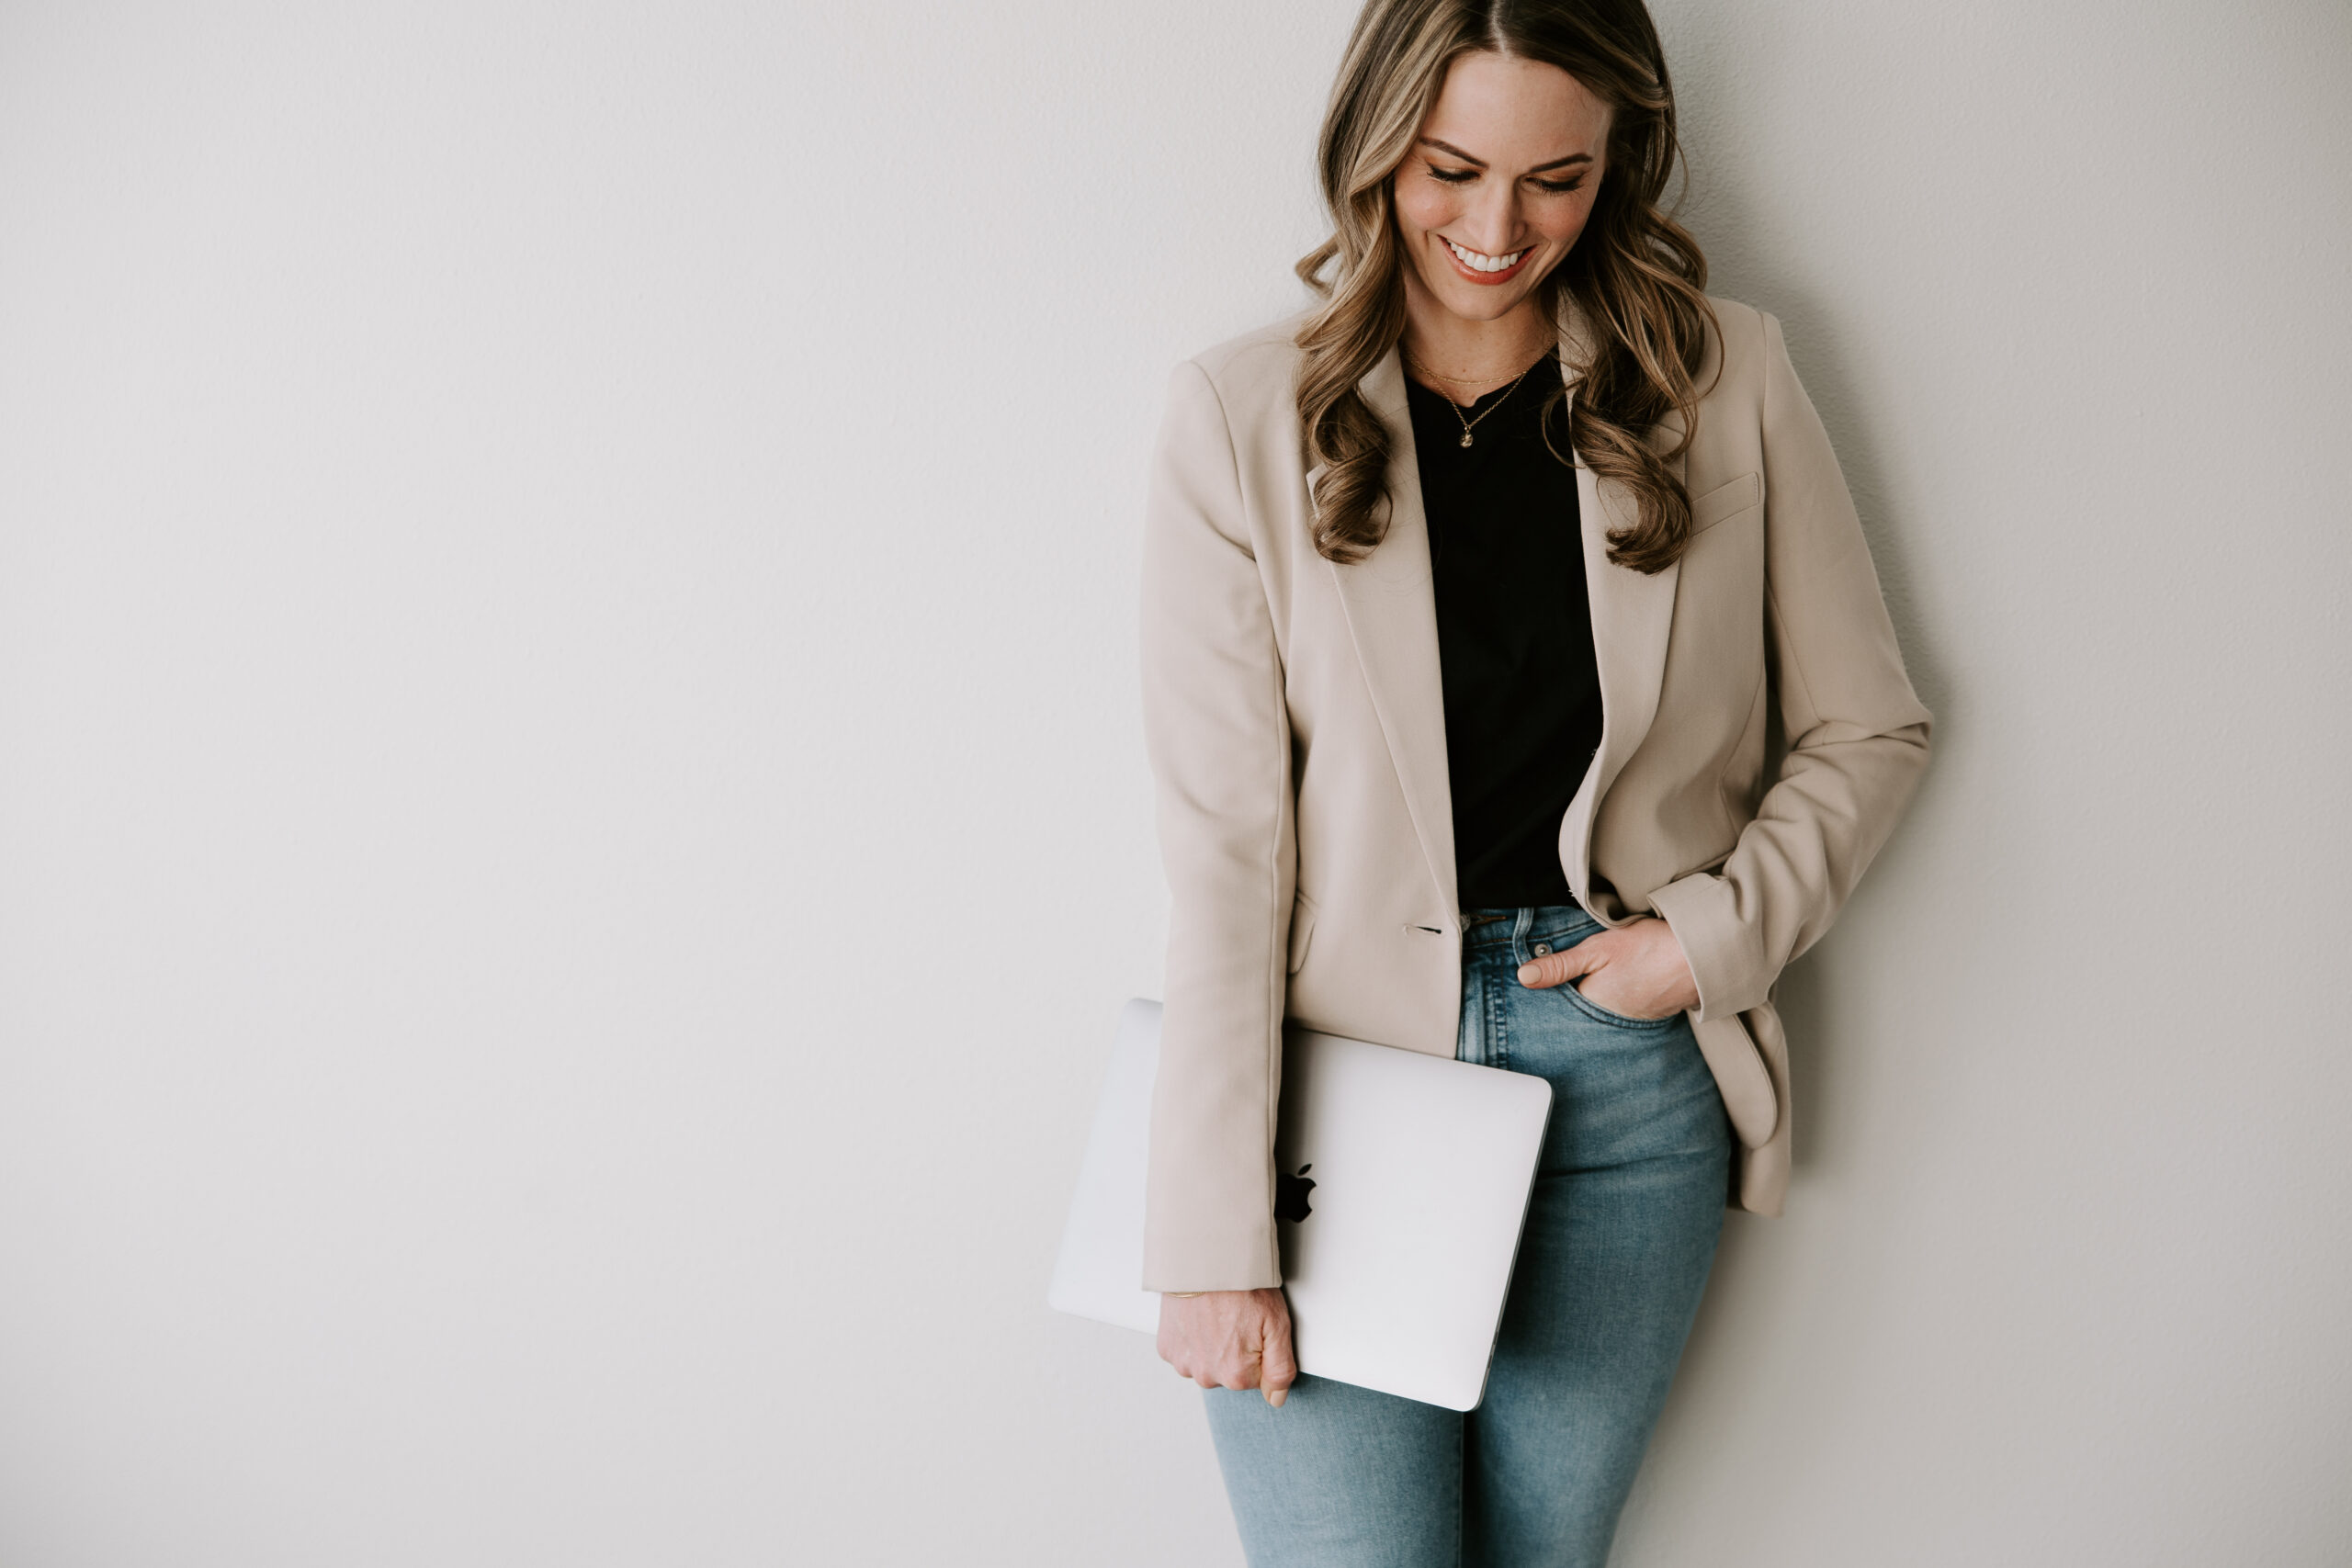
1635	971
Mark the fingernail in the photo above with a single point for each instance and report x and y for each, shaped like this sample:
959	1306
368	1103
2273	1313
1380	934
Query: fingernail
1527	974
1276	1398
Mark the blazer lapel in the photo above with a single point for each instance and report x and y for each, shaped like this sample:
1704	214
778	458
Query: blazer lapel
1391	608
1633	615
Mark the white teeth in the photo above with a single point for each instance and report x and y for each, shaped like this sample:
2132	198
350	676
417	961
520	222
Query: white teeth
1479	263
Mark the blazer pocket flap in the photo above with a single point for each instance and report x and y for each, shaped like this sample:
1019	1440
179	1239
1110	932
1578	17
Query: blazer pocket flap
1727	499
1743	1078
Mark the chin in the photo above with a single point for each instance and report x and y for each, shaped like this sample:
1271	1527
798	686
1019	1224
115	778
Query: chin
1475	304
1481	305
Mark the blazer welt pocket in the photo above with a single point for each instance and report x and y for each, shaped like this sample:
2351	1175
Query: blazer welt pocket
1302	928
1726	499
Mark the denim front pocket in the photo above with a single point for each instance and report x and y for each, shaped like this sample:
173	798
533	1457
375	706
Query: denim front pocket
1595	1011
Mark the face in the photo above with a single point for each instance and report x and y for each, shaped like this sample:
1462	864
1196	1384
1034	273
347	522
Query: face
1498	186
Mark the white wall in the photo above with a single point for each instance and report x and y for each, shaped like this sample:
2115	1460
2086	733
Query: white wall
566	575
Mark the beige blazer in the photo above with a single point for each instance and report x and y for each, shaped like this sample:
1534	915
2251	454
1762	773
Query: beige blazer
1296	730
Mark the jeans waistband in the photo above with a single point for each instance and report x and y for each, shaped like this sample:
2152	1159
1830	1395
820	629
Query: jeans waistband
1547	923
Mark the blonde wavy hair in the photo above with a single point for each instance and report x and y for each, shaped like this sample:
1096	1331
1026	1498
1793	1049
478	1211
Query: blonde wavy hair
1634	273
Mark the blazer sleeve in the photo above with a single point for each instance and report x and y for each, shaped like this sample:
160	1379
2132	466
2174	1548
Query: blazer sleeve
1856	733
1218	729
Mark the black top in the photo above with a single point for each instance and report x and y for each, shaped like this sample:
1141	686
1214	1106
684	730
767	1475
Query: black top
1514	635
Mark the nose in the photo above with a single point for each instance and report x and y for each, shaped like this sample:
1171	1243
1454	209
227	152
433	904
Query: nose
1491	226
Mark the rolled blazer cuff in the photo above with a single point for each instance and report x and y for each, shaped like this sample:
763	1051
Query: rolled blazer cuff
1725	951
1213	1259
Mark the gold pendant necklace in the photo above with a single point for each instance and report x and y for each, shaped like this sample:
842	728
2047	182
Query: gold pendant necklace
1468	423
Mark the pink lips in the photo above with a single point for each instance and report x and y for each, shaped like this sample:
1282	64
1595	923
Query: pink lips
1475	277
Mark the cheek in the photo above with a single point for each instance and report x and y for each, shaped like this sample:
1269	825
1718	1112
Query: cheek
1425	204
1563	226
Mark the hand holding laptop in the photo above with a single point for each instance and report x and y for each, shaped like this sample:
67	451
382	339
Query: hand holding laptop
1229	1340
1395	1252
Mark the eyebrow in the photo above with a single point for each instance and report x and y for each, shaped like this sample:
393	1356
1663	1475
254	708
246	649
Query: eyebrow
1481	163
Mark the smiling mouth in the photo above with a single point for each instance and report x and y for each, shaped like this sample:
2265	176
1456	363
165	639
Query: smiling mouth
1479	267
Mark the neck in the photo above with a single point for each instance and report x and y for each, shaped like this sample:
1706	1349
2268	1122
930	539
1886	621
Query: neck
1464	358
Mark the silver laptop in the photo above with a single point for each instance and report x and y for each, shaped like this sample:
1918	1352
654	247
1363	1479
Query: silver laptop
1403	1181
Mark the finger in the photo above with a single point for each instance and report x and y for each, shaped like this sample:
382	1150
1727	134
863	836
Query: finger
1552	968
1277	1369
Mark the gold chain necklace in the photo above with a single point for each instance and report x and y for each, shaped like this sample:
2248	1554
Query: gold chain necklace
1468	424
1449	380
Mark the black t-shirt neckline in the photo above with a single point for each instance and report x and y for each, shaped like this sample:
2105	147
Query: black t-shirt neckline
1523	690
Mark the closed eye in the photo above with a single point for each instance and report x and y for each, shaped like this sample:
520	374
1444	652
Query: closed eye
1464	177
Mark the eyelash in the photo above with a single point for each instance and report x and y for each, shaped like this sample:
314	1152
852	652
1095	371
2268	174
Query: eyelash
1462	177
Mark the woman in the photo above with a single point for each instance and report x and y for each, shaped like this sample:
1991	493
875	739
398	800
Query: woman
1469	598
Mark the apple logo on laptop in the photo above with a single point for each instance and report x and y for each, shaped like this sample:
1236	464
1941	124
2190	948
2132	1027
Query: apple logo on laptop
1289	1195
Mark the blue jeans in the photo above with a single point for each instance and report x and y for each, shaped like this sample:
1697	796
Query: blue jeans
1621	1233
